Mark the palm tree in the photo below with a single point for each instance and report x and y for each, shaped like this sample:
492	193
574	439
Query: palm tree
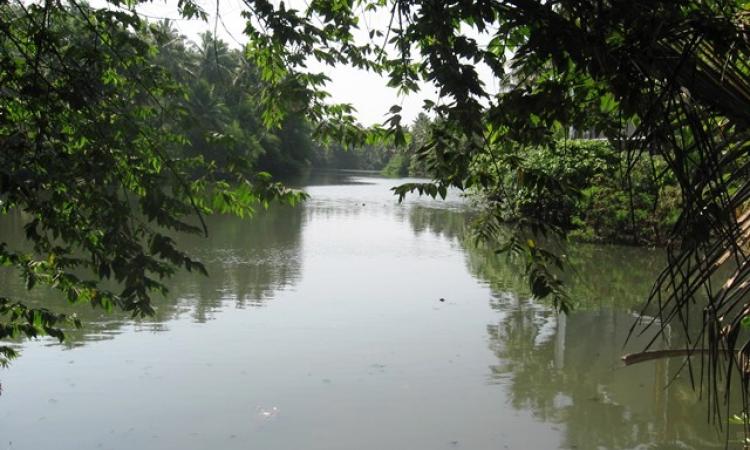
216	63
173	55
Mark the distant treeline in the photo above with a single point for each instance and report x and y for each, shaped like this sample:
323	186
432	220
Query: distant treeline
583	186
223	123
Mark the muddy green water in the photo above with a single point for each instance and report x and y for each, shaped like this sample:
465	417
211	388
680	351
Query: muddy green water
321	328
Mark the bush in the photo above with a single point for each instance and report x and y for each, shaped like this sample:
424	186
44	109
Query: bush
585	188
398	166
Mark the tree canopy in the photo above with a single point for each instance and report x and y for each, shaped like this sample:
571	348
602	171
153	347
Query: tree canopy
93	154
99	153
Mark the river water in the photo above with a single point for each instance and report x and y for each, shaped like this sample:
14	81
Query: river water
321	327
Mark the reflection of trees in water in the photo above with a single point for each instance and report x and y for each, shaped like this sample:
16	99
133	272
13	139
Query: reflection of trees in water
567	370
440	222
596	275
566	374
247	260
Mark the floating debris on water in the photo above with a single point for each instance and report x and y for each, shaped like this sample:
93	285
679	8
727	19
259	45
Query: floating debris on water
267	413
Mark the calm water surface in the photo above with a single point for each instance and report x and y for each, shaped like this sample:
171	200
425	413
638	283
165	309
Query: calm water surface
321	328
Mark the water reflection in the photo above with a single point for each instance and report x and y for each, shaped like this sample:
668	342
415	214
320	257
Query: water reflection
566	370
597	275
448	223
247	261
356	350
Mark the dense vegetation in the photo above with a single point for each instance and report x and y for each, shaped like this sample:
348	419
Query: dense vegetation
118	132
589	189
405	162
222	119
115	134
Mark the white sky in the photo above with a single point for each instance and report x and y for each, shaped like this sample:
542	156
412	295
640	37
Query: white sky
367	92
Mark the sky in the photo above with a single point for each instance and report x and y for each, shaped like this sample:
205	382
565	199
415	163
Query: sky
367	92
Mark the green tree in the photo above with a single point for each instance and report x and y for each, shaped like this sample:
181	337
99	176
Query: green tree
407	161
93	158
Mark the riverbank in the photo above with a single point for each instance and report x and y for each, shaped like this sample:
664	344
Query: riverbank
591	190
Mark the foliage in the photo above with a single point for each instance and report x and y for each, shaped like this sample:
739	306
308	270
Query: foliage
98	159
362	157
219	112
405	160
584	187
398	166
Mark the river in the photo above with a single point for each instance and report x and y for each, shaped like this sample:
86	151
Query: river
353	322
